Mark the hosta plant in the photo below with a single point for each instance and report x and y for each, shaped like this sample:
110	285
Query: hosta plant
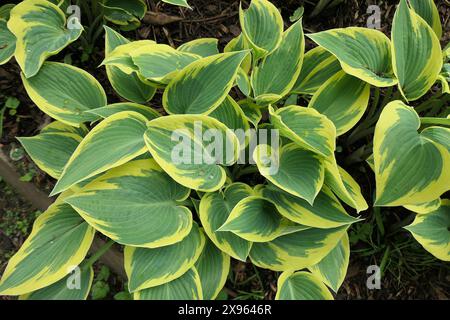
240	162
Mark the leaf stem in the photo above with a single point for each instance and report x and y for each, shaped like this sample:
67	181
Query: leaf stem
100	252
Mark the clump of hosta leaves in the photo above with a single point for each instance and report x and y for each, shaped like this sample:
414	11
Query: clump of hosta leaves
233	167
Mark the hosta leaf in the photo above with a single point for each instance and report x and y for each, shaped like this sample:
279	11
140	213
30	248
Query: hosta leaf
239	44
215	209
363	53
178	145
301	286
403	157
40	29
60	240
306	127
343	99
444	83
182	3
213	267
297	171
203	47
121	57
115	141
252	111
109	110
243	82
232	116
186	287
60	289
318	66
147	268
203	85
124	13
262	26
424	208
344	186
278	72
64	92
7	39
431	230
136	205
297	250
257	220
417	57
429	12
128	86
50	151
327	212
160	63
333	268
61	127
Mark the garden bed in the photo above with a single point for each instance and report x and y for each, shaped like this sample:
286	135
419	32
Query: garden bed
409	272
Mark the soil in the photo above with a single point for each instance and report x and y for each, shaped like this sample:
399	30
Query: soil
409	273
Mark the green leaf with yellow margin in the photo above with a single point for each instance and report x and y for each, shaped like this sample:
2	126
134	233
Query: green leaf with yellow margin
114	141
147	268
186	287
432	231
230	114
297	250
327	212
444	83
64	92
257	220
417	56
318	66
111	109
136	204
306	127
203	47
41	32
160	63
60	290
192	149
61	127
128	86
332	269
424	208
277	73
120	56
214	210
7	39
239	44
60	239
343	99
182	3
243	82
51	151
262	26
203	85
344	186
363	53
297	171
126	14
252	111
213	267
402	158
429	12
301	286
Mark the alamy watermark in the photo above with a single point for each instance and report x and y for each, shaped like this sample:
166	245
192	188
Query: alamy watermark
214	146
